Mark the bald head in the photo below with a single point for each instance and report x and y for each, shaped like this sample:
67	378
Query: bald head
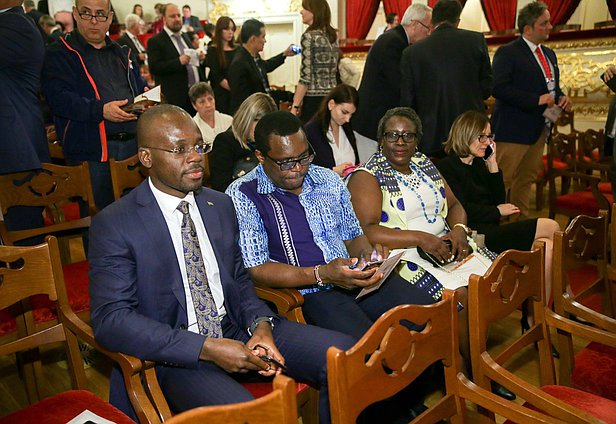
155	122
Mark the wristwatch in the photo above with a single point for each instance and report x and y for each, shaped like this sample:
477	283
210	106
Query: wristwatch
258	321
466	228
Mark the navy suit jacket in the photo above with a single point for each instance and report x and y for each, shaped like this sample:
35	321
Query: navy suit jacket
138	304
518	84
168	71
23	144
379	90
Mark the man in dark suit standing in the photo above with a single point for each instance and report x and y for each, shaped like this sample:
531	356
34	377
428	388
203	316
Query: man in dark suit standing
130	39
168	61
248	72
191	306
23	145
191	23
445	75
379	90
526	83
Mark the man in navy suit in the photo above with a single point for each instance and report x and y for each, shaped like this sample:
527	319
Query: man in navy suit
143	279
23	145
526	83
379	90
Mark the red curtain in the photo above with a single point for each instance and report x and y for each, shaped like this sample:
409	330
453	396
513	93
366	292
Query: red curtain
611	5
561	10
360	15
397	6
500	14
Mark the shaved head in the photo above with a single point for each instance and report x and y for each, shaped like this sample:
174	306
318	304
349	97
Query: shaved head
153	122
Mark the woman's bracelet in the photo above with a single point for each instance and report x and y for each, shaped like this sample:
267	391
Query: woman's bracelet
317	277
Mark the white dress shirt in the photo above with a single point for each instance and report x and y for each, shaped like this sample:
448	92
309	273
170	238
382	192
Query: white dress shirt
343	151
175	43
168	205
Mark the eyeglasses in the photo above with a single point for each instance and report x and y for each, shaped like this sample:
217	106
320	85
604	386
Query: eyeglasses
99	16
393	136
288	165
200	149
483	138
423	25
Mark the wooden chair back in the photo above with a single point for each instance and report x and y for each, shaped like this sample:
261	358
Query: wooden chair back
611	268
514	279
277	407
30	271
390	356
126	174
566	119
51	187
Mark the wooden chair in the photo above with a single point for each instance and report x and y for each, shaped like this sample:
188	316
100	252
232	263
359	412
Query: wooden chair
55	146
126	174
579	281
587	195
278	407
54	188
390	356
28	271
514	278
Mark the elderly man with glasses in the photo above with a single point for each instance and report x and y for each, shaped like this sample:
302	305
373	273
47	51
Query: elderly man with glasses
87	79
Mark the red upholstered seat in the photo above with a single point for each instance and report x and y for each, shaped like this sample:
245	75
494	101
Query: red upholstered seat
70	211
582	202
581	278
595	370
63	407
261	389
605	187
76	280
604	409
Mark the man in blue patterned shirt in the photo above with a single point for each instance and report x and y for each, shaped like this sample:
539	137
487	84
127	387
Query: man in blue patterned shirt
298	229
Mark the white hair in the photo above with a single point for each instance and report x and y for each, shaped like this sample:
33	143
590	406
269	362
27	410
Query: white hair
415	12
131	19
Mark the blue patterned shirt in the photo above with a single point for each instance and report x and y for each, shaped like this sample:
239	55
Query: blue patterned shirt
328	212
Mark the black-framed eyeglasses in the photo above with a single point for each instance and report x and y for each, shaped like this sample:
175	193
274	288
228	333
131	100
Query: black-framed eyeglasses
483	138
99	16
393	136
200	149
423	25
287	165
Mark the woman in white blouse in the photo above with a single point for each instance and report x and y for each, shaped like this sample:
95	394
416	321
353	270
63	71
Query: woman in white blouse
330	132
208	119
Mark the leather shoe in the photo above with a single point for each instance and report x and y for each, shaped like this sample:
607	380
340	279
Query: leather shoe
503	392
416	410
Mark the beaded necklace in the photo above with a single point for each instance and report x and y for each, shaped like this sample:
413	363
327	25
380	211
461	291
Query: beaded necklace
412	183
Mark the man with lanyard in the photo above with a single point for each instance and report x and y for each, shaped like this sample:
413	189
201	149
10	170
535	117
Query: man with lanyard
526	83
87	79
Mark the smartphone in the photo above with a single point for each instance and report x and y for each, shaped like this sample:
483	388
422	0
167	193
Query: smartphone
611	83
296	49
489	152
271	360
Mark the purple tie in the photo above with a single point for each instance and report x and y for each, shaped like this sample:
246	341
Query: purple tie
189	67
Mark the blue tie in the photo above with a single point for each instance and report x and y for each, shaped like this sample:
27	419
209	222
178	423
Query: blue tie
203	301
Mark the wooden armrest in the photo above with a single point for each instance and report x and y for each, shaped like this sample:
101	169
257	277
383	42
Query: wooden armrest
604	336
288	302
132	368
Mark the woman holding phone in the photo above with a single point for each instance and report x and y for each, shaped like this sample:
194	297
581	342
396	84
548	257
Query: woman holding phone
473	175
319	67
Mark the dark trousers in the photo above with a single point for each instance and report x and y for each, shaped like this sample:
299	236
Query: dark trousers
338	309
304	348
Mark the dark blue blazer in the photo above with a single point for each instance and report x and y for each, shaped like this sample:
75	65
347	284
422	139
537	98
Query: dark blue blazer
379	90
23	144
138	305
518	84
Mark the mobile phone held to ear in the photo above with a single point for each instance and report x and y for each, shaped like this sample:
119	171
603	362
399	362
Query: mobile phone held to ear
489	152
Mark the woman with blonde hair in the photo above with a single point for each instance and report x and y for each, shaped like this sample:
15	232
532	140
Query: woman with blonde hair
474	177
319	59
233	153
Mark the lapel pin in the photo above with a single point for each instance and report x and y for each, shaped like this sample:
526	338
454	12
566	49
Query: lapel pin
210	203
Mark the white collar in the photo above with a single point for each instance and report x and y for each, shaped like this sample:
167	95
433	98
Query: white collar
168	203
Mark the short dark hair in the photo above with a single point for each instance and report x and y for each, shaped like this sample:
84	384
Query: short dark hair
281	123
390	18
198	90
404	112
186	6
530	13
446	11
249	28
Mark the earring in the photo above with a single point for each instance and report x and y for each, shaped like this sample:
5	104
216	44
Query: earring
381	148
